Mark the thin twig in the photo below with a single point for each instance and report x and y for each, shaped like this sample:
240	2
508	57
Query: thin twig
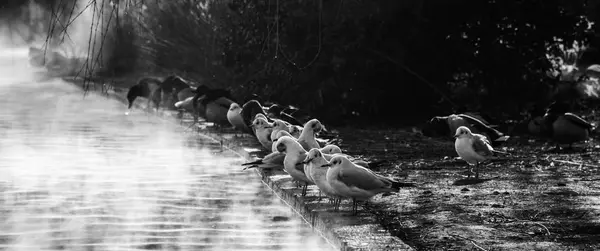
320	28
477	246
539	224
435	88
277	31
575	163
468	239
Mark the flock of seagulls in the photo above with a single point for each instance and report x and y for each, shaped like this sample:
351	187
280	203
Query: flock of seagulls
299	144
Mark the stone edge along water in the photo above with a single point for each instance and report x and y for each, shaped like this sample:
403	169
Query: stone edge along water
318	221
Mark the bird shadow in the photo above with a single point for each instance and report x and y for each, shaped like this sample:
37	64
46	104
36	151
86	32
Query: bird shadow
470	181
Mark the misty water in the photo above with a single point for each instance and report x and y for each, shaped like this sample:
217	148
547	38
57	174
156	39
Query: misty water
78	174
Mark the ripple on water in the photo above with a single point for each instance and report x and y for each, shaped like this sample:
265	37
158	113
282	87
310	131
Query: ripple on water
78	174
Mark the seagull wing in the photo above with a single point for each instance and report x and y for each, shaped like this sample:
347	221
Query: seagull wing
577	120
360	178
481	145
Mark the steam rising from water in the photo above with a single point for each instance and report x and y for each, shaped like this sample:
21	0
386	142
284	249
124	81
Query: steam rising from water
75	174
87	32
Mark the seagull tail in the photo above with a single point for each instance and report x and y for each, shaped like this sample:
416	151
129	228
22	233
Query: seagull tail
501	152
248	167
502	139
397	185
376	163
253	163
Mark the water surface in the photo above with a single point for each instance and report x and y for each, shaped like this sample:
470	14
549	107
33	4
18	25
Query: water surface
78	174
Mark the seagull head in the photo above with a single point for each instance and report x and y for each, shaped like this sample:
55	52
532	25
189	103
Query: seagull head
314	125
294	129
331	149
462	132
133	92
279	124
337	160
234	107
312	154
260	123
288	144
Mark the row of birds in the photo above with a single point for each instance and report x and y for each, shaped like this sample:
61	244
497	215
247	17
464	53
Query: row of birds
291	134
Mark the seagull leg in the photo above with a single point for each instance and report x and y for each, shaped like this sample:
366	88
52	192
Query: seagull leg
320	195
354	206
304	188
477	171
180	116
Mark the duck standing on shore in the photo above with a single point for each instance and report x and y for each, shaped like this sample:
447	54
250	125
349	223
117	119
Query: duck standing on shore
563	127
144	88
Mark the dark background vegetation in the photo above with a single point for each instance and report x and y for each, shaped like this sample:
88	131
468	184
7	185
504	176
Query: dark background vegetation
352	60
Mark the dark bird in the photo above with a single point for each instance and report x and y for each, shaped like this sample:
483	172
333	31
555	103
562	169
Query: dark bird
289	114
442	126
185	93
205	95
253	96
216	103
300	115
216	111
249	111
562	127
144	88
169	88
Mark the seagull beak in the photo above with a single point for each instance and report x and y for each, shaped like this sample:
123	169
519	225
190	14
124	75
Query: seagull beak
326	165
456	136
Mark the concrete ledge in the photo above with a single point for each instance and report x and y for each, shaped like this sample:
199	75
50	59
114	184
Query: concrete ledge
342	230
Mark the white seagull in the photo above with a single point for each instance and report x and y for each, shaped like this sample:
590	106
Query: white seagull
318	174
307	137
473	148
353	181
263	131
292	163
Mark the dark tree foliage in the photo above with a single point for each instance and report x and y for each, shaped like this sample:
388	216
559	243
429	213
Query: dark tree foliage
382	59
353	60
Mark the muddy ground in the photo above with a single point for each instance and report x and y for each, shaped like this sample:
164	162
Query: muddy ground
533	199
